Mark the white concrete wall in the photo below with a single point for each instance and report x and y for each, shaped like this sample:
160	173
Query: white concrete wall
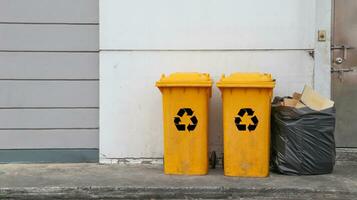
322	70
139	40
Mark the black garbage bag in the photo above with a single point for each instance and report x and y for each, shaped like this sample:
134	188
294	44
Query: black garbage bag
302	140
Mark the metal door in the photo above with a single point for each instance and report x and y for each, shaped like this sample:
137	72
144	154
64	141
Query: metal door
344	71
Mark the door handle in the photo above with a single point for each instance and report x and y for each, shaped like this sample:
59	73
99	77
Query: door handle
340	70
333	47
340	60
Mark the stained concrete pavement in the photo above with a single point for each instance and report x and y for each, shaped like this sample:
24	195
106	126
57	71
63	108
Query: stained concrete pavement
96	181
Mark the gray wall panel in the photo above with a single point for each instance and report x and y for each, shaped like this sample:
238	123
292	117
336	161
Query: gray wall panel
49	69
39	139
48	118
60	11
49	93
35	37
48	65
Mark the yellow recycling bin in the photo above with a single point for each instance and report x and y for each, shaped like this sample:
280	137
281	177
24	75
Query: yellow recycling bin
246	101
185	118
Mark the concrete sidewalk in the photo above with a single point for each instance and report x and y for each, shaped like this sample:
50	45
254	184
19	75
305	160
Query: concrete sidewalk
85	181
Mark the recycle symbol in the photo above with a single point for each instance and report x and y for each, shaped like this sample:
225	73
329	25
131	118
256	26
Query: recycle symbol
253	118
180	114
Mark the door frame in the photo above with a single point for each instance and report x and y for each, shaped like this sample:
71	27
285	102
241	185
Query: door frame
322	52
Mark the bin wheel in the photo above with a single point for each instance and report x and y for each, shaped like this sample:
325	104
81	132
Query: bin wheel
213	160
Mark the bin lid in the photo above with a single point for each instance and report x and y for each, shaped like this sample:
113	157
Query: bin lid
185	79
248	80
